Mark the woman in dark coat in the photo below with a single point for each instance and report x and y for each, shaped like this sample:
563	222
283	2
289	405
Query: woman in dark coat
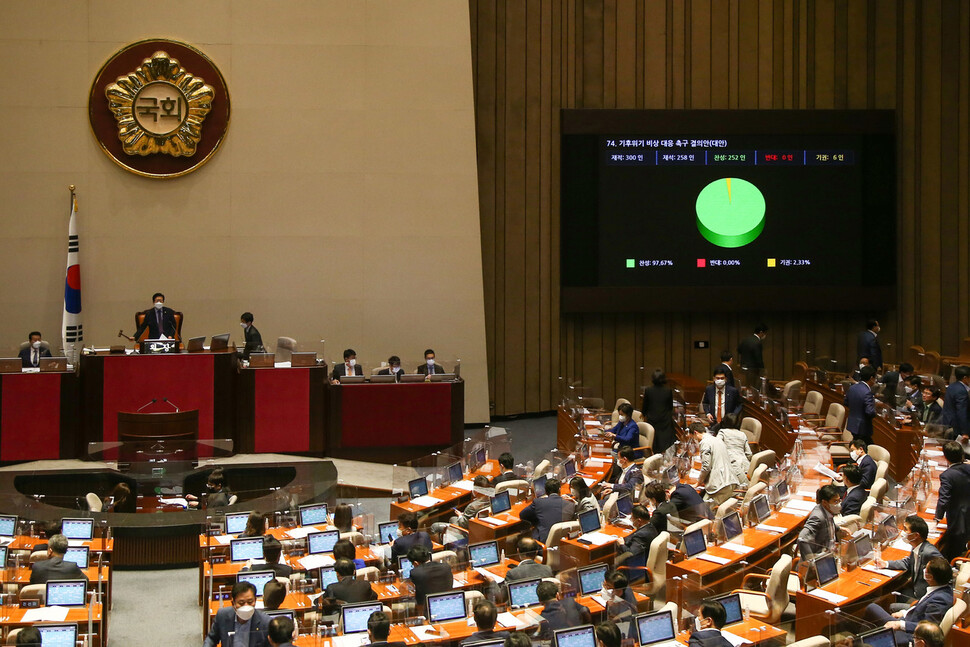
658	409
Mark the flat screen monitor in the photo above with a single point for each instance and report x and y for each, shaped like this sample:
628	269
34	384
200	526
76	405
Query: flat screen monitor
887	530
539	486
8	525
862	544
569	467
653	628
694	542
732	607
576	637
672	475
761	508
77	528
281	613
878	638
311	515
731	524
624	505
60	635
257	578
589	521
501	502
353	617
443	607
481	455
522	593
328	575
483	554
236	522
591	578
387	531
241	550
77	554
322	542
3	556
584	452
826	569
781	488
418	487
454	473
404	567
66	593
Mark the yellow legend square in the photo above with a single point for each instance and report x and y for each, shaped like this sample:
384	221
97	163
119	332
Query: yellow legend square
771	262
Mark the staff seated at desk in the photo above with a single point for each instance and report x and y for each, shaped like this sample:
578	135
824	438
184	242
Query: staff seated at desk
346	589
241	623
932	606
272	550
631	475
485	615
507	462
915	532
344	548
621	603
428	576
408	536
626	433
37	348
379	629
349	367
855	495
393	368
710	619
645	532
528	549
274	593
820	532
664	512
282	632
583	497
546	511
558	612
54	567
217	491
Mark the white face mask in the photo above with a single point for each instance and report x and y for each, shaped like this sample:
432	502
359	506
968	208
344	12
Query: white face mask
854	455
607	594
834	508
244	324
395	369
697	623
720	383
909	390
36	344
430	362
159	305
245	612
352	362
622	418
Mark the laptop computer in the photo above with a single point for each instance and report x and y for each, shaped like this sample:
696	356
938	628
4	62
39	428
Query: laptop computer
195	344
887	530
694	542
522	593
353	617
861	545
66	593
589	521
352	379
569	467
256	578
77	528
759	508
624	505
731	526
443	377
8	525
77	554
387	532
236	522
219	342
539	485
52	364
404	567
3	556
418	487
301	358
328	575
672	475
322	542
11	365
407	378
500	503
656	629
583	636
382	379
483	554
281	613
443	607
591	578
826	570
313	514
732	607
262	360
881	637
241	550
59	635
453	473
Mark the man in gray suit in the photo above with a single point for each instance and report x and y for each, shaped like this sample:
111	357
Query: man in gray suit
915	532
820	531
54	567
240	623
528	549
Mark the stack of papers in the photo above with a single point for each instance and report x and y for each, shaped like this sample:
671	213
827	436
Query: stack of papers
767	528
425	633
492	520
311	562
734	639
224	539
463	485
825	470
738	548
707	557
51	614
174	501
797	504
882	571
598	538
487	574
302	532
425	501
826	595
509	621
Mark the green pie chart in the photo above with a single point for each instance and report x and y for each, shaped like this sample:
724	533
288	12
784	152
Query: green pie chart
730	212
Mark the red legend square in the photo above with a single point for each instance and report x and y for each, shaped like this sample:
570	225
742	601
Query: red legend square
701	262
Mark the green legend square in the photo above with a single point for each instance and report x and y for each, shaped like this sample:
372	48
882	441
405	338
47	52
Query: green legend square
631	262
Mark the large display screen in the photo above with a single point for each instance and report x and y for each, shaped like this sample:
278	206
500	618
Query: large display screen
671	210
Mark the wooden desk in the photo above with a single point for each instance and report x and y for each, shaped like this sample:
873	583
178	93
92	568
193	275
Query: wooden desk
11	617
38	416
24	542
753	631
281	410
858	586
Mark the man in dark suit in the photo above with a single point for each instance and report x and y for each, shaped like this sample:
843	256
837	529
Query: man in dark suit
726	366
932	606
159	320
349	367
393	368
861	405
528	549
30	356
710	617
855	494
867	345
858	452
272	550
54	567
953	502
427	576
720	399
507	463
631	474
239	622
485	615
558	612
915	532
254	341
690	506
429	364
956	405
664	510
645	532
820	532
347	589
408	535
378	630
546	511
896	382
750	355
280	632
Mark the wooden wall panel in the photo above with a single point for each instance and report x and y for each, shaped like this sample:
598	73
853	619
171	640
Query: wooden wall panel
533	58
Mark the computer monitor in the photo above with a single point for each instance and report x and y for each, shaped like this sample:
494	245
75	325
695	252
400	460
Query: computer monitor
781	488
569	467
353	617
591	578
328	575
453	473
236	522
887	530
576	637
241	550
257	578
522	593
387	531
481	456
77	528
732	607
322	542
694	542
584	452
826	570
731	525
77	554
500	502
539	485
881	637
281	613
589	521
656	627
3	556
418	487
404	567
66	593
485	643
672	474
443	607
313	514
624	505
862	545
761	509
8	525
483	554
59	635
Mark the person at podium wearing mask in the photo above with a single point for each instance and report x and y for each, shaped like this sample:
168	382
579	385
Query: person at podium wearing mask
30	356
159	320
254	341
429	365
349	367
393	368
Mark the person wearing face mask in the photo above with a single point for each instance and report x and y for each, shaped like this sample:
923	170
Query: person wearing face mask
858	452
861	405
239	625
915	532
254	341
720	399
631	475
820	533
349	367
643	535
855	494
429	365
867	345
393	368
707	626
625	433
621	605
558	612
217	493
931	606
159	321
896	383
663	510
36	348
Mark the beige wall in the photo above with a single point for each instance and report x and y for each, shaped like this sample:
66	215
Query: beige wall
343	205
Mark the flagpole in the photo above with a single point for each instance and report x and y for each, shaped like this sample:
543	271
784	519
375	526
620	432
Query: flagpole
71	330
74	362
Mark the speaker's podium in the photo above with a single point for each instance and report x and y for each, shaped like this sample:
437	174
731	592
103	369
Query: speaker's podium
150	440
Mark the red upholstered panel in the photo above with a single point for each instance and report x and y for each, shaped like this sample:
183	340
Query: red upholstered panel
282	410
31	422
400	415
130	382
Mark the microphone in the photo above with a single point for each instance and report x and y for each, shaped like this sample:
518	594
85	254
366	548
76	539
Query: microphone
171	404
153	401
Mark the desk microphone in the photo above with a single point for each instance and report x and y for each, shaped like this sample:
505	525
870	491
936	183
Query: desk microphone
153	401
171	404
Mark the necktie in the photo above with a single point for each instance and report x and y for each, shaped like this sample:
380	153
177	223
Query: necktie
720	405
34	360
159	317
